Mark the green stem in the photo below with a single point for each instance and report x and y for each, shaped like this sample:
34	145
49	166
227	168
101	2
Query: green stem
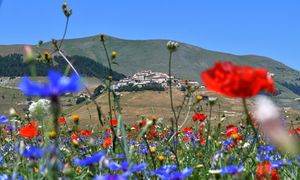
152	157
208	126
171	95
109	94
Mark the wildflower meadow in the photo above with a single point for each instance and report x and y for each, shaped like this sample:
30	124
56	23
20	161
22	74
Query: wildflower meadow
47	143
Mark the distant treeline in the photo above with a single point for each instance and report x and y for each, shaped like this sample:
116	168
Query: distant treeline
13	65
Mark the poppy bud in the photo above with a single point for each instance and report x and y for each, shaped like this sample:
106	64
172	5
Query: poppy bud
64	6
47	56
101	37
154	118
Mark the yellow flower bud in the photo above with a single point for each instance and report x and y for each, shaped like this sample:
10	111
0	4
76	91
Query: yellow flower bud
113	54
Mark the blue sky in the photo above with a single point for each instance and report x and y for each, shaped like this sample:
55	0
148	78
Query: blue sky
264	27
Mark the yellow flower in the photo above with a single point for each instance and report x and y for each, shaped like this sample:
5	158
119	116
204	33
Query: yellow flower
113	54
75	143
75	117
161	158
78	169
52	134
199	154
152	149
235	136
154	118
199	98
36	169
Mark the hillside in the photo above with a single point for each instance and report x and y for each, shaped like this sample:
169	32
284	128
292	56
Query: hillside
188	62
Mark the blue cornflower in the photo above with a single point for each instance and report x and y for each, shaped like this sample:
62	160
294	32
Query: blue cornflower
181	175
10	128
169	172
125	166
266	148
278	164
33	152
231	169
264	157
57	85
115	166
89	160
3	119
3	177
109	177
120	156
228	142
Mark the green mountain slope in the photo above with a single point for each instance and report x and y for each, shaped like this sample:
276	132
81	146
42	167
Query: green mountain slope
188	62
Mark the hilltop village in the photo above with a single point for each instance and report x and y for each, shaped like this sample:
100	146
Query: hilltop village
147	79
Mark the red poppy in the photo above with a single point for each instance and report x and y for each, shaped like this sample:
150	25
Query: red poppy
199	117
237	81
86	133
74	137
107	142
187	130
202	140
114	122
292	132
264	171
30	130
152	128
152	134
231	129
186	139
62	120
136	127
143	123
108	131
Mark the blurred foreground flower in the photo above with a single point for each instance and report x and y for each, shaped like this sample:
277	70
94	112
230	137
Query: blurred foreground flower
267	115
237	81
28	55
57	85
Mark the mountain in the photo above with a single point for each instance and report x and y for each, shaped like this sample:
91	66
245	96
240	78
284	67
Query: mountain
187	63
